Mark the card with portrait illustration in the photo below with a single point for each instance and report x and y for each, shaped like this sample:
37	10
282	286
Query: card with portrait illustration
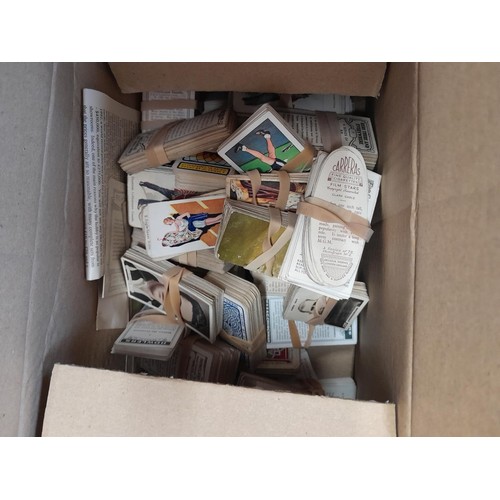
172	228
199	300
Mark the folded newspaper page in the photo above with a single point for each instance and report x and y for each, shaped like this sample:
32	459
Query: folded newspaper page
108	127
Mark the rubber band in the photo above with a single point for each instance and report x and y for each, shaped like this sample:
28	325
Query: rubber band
155	152
262	259
302	161
329	129
328	212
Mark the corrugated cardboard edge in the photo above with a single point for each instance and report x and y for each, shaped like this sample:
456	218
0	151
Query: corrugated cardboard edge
93	402
384	356
346	78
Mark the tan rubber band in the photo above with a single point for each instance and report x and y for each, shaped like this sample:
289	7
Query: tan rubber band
273	228
255	181
188	259
172	299
278	245
192	259
284	189
310	331
303	160
328	212
329	128
247	346
155	153
148	125
294	335
284	192
319	319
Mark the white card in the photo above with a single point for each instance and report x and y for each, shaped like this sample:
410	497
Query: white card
332	252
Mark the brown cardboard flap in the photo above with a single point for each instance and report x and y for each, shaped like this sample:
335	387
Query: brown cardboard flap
92	402
355	79
456	381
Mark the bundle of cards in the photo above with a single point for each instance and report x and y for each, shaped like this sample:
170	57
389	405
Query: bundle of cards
302	376
194	359
262	382
175	227
268	285
331	252
264	142
305	305
280	361
177	139
243	319
202	361
328	131
160	108
278	329
137	241
149	335
154	367
152	186
203	259
240	187
281	384
324	256
201	302
244	231
203	172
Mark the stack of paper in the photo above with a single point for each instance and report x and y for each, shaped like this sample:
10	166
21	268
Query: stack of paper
160	108
202	361
177	139
328	131
193	359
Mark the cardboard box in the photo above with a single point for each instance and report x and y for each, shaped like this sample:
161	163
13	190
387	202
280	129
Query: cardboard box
430	336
